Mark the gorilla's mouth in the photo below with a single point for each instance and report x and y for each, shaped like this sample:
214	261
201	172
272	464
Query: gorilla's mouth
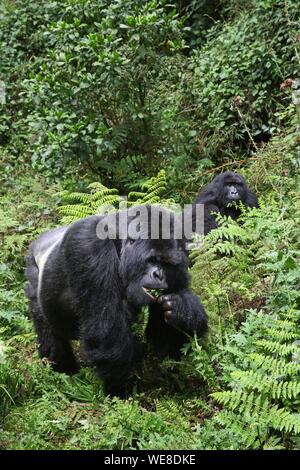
153	293
232	202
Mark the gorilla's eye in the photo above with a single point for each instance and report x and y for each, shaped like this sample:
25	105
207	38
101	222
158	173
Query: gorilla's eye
130	241
152	260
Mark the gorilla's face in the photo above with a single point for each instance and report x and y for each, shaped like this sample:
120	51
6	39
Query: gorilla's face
232	188
152	264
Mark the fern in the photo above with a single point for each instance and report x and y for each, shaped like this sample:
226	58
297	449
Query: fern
265	389
259	401
276	348
101	199
279	366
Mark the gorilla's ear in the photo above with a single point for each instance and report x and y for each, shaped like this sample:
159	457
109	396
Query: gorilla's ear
91	264
251	200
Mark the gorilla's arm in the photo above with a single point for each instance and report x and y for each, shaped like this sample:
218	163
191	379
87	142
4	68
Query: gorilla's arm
208	197
92	272
172	318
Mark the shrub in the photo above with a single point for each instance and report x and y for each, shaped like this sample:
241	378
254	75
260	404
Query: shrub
235	78
93	94
22	43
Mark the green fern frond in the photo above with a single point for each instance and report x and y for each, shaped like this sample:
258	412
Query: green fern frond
136	195
98	195
282	420
168	409
101	199
281	335
279	366
286	324
79	211
273	443
269	384
276	348
267	379
242	430
283	390
111	199
228	397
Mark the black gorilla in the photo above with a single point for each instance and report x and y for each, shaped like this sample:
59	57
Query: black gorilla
218	196
84	286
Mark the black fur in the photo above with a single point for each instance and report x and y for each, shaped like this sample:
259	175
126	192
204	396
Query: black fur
92	290
214	196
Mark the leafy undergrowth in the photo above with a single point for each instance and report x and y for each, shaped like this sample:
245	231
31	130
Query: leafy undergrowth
238	389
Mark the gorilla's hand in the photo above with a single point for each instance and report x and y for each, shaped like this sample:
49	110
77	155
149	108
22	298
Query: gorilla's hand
172	307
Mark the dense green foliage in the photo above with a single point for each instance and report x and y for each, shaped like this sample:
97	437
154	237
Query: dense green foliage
149	99
120	86
259	363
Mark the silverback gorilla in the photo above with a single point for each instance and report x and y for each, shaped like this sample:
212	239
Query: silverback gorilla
218	196
88	287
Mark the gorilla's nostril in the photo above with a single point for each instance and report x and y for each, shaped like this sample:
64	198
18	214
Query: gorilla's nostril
158	274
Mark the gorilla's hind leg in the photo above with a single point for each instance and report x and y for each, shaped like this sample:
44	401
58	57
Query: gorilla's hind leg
55	348
51	346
